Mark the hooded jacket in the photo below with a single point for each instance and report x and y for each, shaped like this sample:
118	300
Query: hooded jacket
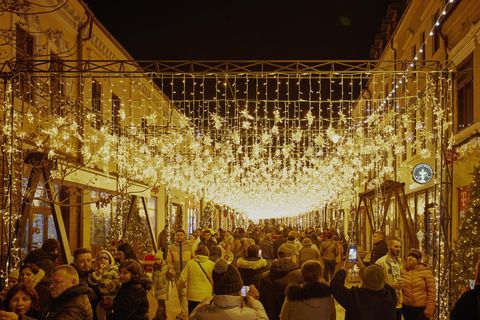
71	304
309	253
251	270
309	301
160	281
131	301
362	303
274	282
43	260
226	307
329	250
108	282
379	250
419	289
198	284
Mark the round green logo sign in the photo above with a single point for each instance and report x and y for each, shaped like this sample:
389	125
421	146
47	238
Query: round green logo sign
422	173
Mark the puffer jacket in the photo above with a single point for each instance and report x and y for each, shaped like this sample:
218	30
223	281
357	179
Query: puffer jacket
71	304
328	250
173	255
226	307
251	270
419	289
199	286
109	277
309	301
309	253
160	281
43	260
131	302
274	282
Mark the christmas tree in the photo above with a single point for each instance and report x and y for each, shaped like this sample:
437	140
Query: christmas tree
466	252
207	217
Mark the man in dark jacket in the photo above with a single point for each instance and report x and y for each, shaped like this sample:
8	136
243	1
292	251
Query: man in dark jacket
266	246
44	258
70	300
281	239
82	262
274	281
373	300
380	247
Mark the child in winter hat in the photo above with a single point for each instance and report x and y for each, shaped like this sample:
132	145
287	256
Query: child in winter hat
226	278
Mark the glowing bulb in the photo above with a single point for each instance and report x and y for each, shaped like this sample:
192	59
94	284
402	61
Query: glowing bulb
335	138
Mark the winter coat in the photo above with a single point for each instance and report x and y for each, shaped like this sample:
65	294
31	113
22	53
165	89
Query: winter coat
108	277
419	289
267	251
173	256
466	307
277	243
386	263
251	270
198	284
209	243
226	307
131	301
309	253
328	250
71	304
362	303
379	250
43	260
160	281
274	282
308	302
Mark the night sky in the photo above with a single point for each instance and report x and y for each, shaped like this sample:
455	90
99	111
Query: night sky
244	30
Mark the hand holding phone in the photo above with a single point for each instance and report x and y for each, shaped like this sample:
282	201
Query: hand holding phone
245	290
472	284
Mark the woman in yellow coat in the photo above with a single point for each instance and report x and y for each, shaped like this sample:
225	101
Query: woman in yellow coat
419	288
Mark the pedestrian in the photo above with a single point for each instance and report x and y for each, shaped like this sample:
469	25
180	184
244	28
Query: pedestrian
131	302
197	277
310	300
252	267
45	257
329	251
392	265
179	253
107	281
21	302
308	252
31	274
419	288
160	282
163	241
227	302
380	247
373	300
273	283
468	306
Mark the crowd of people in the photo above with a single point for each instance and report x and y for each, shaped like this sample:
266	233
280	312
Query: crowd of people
260	273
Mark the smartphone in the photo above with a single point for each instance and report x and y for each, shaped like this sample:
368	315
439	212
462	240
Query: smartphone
352	253
245	290
472	284
259	253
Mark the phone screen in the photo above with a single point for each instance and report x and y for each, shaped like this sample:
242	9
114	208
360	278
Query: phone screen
260	253
352	253
245	290
472	284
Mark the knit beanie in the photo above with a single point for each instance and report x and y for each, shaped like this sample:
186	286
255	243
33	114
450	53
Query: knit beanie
226	278
159	254
372	277
15	274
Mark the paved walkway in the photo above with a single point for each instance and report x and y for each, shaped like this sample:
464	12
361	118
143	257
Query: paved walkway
173	306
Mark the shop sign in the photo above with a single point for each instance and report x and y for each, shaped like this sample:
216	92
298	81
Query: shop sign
422	173
463	199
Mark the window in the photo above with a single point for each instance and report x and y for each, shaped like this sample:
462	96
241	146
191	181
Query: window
465	95
57	87
96	104
115	114
24	54
436	35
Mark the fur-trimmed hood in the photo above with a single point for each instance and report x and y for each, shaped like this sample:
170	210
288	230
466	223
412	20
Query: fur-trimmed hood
308	291
253	264
37	278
